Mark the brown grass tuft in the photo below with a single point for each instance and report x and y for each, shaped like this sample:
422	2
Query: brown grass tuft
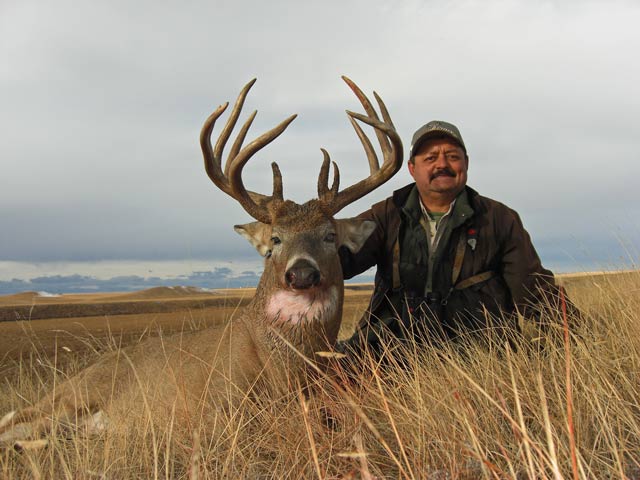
569	410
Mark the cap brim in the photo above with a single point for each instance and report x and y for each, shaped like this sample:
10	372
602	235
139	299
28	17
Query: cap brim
435	133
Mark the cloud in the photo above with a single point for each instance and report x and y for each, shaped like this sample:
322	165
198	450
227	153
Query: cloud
103	103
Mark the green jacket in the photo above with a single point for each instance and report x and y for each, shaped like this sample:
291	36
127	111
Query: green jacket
498	258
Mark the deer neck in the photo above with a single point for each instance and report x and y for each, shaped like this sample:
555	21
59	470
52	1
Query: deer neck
307	320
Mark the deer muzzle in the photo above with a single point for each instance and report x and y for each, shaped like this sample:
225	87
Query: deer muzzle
302	275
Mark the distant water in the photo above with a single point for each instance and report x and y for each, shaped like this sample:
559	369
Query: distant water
122	276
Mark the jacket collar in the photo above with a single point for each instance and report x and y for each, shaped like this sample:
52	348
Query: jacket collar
407	201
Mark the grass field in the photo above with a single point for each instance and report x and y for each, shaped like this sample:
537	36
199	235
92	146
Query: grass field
570	410
70	324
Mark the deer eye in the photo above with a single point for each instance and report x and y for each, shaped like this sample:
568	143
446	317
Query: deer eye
331	237
276	240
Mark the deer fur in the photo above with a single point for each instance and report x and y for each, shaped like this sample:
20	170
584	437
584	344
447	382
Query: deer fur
295	313
185	370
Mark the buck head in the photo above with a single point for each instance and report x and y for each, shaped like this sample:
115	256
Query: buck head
302	284
301	245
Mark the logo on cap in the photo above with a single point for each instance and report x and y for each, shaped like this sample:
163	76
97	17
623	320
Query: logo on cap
434	127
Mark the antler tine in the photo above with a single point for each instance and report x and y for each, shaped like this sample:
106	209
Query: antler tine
324	192
237	145
374	164
277	182
323	177
367	106
335	185
256	210
230	180
211	162
383	109
389	130
390	144
233	118
385	127
213	157
386	147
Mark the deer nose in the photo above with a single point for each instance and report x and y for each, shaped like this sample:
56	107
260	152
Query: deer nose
302	275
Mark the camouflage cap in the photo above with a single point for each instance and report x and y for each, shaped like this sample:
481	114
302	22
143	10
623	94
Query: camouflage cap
433	129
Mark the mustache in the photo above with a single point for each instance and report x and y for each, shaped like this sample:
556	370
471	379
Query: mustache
445	172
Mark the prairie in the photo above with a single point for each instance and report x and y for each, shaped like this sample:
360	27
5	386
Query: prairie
568	409
35	322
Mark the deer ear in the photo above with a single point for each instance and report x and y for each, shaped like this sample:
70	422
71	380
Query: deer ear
258	234
353	232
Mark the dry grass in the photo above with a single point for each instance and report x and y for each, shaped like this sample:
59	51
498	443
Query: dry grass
485	411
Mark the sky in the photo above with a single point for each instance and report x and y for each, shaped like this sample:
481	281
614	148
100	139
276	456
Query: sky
102	184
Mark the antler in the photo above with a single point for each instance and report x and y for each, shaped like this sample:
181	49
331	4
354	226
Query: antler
230	180
391	146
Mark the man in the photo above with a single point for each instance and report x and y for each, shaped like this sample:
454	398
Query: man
449	261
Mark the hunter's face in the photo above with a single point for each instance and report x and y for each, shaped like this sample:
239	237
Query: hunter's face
439	167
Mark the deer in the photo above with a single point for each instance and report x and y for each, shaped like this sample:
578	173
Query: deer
293	318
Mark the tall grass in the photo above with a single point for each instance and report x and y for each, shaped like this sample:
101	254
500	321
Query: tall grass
488	410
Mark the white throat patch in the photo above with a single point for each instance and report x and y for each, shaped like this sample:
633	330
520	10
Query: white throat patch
286	306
